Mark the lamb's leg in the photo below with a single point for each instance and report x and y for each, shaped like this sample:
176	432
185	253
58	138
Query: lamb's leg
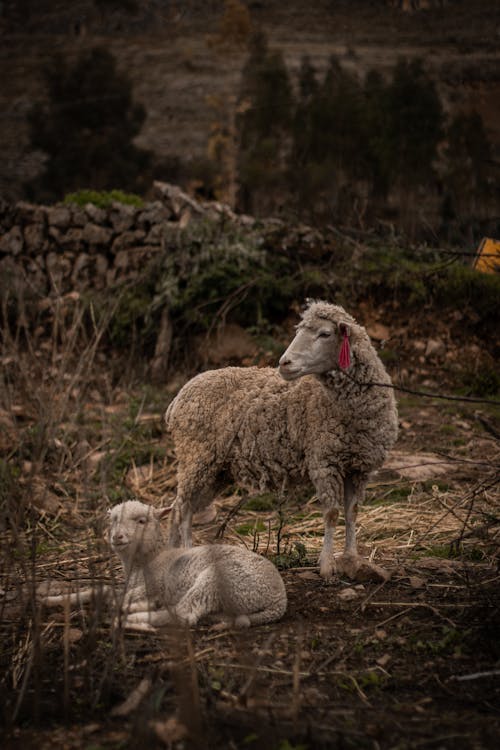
148	619
200	600
79	597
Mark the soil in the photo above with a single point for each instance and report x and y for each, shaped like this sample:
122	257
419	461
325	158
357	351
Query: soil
412	662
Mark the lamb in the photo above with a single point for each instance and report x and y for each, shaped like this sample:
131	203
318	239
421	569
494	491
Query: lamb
165	585
326	417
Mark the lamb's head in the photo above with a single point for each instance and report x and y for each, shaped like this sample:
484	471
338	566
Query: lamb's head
134	530
321	343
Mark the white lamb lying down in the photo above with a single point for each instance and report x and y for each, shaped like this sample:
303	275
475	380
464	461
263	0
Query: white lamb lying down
165	585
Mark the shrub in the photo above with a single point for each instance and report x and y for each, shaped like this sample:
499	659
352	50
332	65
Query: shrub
103	198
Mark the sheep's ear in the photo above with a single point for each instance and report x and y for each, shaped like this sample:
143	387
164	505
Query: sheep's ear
162	513
344	329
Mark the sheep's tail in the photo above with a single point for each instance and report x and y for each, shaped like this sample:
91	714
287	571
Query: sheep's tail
169	413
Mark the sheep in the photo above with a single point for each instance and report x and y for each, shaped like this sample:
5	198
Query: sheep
326	417
162	585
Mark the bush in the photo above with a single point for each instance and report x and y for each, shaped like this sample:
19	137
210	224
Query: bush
103	198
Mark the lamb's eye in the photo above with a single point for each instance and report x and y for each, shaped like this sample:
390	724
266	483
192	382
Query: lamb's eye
141	520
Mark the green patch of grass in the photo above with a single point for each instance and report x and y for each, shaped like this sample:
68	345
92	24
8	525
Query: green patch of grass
389	356
287	745
250	528
264	502
103	198
370	680
396	495
451	642
296	557
453	552
483	380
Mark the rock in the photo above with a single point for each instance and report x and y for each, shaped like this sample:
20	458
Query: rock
378	332
359	569
95	214
81	262
347	595
155	213
417	466
230	342
127	239
59	216
122	217
12	241
72	239
96	235
176	199
435	348
43	499
34	238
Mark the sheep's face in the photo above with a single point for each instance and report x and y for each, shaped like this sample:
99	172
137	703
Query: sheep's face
314	350
134	529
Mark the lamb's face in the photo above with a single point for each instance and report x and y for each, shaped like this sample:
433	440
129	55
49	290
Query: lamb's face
134	529
313	351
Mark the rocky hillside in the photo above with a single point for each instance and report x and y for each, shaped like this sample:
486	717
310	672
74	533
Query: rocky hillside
178	75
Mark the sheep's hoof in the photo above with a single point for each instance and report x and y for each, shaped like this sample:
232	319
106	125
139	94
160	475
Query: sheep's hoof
359	569
327	568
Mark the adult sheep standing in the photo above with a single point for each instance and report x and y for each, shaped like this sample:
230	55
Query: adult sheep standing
327	417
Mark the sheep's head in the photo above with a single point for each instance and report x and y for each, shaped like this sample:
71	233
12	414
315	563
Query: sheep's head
134	529
321	343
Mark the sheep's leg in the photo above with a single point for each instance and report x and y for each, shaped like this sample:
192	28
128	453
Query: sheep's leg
350	562
353	495
176	518
180	524
327	566
330	489
195	490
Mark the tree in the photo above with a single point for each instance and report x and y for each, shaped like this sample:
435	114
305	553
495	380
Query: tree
234	28
327	156
265	106
414	126
87	128
468	162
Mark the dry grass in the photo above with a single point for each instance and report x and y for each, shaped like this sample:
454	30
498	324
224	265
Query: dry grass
75	440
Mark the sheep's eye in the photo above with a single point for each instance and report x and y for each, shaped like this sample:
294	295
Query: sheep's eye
141	520
324	335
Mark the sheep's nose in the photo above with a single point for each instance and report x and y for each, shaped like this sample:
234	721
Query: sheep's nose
284	360
118	536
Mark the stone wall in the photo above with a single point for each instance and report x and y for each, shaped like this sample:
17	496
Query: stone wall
63	248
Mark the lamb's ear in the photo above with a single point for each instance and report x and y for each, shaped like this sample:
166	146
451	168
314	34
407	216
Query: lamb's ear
161	513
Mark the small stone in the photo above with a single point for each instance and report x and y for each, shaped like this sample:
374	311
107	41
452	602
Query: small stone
348	595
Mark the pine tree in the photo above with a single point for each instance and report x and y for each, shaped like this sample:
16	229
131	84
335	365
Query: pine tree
265	107
87	128
414	125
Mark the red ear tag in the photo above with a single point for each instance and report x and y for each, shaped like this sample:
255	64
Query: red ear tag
345	353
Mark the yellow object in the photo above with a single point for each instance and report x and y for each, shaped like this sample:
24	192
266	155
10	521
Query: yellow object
488	256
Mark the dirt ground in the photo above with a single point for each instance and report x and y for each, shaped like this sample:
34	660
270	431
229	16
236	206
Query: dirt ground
413	662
